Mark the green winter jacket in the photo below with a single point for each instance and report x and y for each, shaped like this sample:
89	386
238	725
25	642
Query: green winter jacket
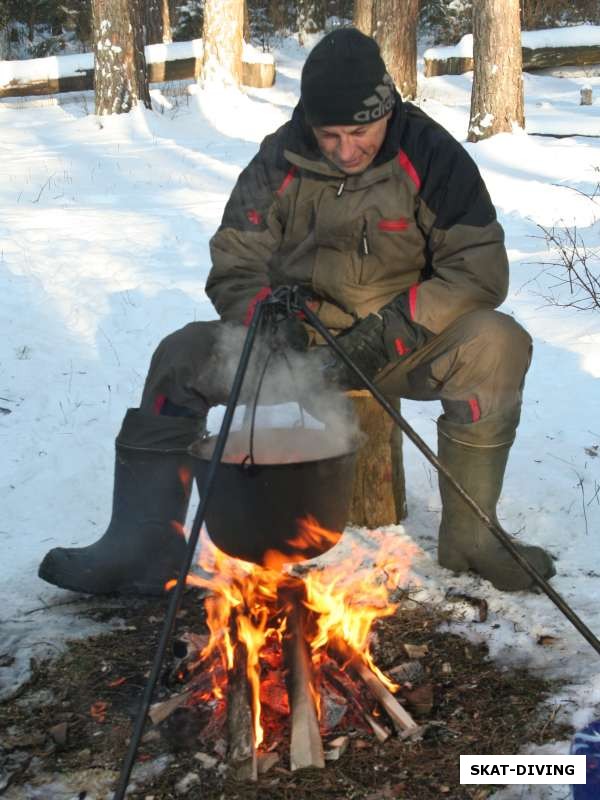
418	225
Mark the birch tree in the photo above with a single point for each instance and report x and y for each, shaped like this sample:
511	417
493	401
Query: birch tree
497	103
120	79
223	38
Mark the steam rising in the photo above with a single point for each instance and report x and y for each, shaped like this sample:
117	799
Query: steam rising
292	394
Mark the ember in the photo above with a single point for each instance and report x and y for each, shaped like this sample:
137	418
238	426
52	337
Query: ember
288	652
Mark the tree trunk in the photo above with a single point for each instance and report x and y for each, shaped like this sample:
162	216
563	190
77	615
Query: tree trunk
497	97
363	16
4	42
395	30
173	10
153	21
277	15
119	65
223	36
158	22
247	31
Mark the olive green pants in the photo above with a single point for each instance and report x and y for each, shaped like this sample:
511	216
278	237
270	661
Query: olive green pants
476	368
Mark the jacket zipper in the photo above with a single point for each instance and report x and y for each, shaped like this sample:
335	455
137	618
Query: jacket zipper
365	241
340	188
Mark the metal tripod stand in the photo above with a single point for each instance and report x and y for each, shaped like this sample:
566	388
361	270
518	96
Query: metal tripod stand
290	301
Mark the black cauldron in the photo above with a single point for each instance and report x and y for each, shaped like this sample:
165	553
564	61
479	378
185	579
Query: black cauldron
259	505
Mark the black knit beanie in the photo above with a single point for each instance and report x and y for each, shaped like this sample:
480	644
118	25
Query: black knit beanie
344	81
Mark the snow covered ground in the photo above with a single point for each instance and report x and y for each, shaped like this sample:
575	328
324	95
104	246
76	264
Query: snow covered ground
104	235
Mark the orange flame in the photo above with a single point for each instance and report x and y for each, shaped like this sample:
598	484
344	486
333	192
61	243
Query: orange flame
345	597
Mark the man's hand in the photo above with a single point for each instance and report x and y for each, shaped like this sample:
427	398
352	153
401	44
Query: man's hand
364	344
379	339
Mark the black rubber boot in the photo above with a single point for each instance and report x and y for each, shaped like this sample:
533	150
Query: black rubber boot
144	544
465	543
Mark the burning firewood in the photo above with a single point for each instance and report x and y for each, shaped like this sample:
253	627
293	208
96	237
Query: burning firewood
380	732
242	751
402	720
306	747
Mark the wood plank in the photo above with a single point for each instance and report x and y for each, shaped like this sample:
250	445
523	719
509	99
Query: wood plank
306	747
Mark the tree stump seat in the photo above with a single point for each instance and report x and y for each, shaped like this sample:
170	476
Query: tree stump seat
379	495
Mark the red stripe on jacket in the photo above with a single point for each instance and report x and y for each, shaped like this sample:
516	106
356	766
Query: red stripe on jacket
260	295
475	410
408	167
401	348
287	180
412	300
392	225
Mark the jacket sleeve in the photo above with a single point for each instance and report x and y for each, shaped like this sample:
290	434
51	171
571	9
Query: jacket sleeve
250	232
467	265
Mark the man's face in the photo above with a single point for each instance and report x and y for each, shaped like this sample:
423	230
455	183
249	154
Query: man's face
351	147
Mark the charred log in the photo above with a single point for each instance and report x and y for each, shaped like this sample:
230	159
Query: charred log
242	750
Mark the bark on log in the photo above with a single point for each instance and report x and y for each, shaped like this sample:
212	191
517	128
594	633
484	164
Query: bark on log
242	752
379	494
447	66
544	57
533	59
306	747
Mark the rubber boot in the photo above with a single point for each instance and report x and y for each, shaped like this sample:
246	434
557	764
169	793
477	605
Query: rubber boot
144	544
465	543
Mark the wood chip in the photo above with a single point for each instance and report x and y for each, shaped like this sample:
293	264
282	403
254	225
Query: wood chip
546	640
207	761
407	672
59	733
419	700
160	711
337	748
416	650
265	761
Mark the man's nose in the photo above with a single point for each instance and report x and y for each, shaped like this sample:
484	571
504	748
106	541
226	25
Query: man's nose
346	149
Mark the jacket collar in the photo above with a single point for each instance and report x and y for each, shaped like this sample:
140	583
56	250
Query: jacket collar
301	149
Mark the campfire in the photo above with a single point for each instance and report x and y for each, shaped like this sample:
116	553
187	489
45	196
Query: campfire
286	665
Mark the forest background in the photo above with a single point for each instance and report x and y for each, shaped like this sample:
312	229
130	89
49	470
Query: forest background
38	28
